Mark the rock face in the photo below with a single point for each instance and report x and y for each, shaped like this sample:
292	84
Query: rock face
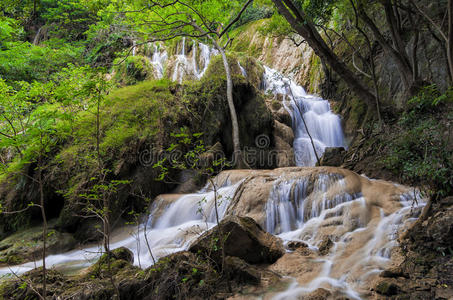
244	239
333	156
427	261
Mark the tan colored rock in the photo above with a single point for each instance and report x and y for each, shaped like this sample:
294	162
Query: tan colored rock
284	132
284	153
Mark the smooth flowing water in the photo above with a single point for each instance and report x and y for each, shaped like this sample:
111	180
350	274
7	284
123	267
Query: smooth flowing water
320	122
173	224
363	227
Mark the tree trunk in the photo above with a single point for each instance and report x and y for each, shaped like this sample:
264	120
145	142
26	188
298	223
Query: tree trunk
237	153
402	64
450	39
307	30
44	231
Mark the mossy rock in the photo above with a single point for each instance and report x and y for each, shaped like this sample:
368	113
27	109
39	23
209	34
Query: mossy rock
26	245
108	265
132	70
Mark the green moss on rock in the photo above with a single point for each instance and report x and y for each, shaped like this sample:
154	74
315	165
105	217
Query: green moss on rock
132	70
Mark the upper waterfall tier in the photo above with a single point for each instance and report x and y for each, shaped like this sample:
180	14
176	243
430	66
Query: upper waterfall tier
315	126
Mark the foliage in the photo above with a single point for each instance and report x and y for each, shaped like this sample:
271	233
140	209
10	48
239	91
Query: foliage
421	152
22	61
428	99
253	13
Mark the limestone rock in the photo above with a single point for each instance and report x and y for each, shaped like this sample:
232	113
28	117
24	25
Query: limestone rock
325	246
319	294
283	116
285	153
244	239
284	132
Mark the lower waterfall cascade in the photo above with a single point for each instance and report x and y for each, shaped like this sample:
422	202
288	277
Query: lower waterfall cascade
362	218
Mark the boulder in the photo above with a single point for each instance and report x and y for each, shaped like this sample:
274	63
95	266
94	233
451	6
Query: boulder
283	116
241	271
285	153
284	132
244	238
333	156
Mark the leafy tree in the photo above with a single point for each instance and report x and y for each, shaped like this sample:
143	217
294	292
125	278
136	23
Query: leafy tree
206	20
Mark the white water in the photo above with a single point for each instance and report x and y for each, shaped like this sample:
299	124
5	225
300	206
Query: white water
363	243
193	66
323	125
158	60
170	228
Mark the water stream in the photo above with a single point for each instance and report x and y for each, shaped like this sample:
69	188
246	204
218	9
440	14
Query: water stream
361	217
323	125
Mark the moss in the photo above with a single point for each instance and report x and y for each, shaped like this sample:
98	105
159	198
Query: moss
356	112
244	35
315	73
216	67
132	70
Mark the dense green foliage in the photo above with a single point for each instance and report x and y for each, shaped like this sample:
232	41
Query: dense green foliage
421	150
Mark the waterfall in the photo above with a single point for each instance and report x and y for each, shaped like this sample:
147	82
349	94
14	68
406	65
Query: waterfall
309	210
134	48
323	125
158	60
169	228
243	71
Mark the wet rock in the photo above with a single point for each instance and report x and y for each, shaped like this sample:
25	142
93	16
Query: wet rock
294	245
244	239
325	246
333	156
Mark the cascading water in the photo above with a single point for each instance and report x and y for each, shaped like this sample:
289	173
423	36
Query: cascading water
180	64
363	232
323	125
158	60
171	227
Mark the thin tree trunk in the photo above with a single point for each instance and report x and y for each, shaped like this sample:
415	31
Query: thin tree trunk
450	38
237	153
402	64
307	30
44	231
